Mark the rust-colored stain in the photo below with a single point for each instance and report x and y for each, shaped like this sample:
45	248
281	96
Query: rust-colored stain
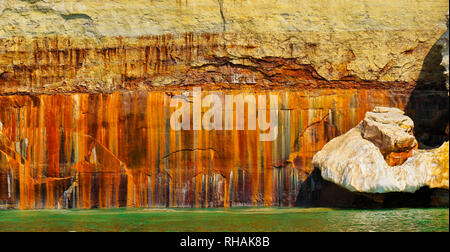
62	64
118	150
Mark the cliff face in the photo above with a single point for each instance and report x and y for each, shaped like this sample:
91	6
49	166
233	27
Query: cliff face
60	46
85	88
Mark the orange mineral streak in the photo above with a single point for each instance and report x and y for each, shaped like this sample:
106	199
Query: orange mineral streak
118	150
60	64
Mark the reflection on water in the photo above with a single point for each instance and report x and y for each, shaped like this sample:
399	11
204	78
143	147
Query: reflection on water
231	220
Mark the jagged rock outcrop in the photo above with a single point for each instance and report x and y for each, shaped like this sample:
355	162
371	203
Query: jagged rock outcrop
357	164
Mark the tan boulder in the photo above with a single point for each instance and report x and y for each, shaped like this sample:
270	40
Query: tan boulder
445	50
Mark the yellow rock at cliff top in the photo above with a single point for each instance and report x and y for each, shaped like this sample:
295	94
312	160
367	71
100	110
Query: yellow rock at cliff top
358	165
371	40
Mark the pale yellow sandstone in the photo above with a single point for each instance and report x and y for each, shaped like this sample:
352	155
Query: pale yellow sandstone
358	165
372	40
389	129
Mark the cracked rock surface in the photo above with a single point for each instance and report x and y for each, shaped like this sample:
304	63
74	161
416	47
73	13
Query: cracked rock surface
357	164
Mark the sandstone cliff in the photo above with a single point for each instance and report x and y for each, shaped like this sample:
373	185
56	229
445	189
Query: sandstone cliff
102	46
361	161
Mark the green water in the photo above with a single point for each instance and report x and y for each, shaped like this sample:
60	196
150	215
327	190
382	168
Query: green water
229	220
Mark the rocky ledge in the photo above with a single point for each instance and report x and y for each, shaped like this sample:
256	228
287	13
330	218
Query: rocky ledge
377	164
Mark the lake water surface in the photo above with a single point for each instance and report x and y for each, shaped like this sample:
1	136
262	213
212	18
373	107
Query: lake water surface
228	220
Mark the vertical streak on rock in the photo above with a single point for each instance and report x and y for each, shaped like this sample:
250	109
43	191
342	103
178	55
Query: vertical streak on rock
121	151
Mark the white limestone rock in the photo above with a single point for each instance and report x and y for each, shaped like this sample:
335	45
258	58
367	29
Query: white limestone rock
358	165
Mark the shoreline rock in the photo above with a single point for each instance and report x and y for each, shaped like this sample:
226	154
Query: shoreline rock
358	165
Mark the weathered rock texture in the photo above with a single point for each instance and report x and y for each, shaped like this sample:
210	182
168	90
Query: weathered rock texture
357	164
97	45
